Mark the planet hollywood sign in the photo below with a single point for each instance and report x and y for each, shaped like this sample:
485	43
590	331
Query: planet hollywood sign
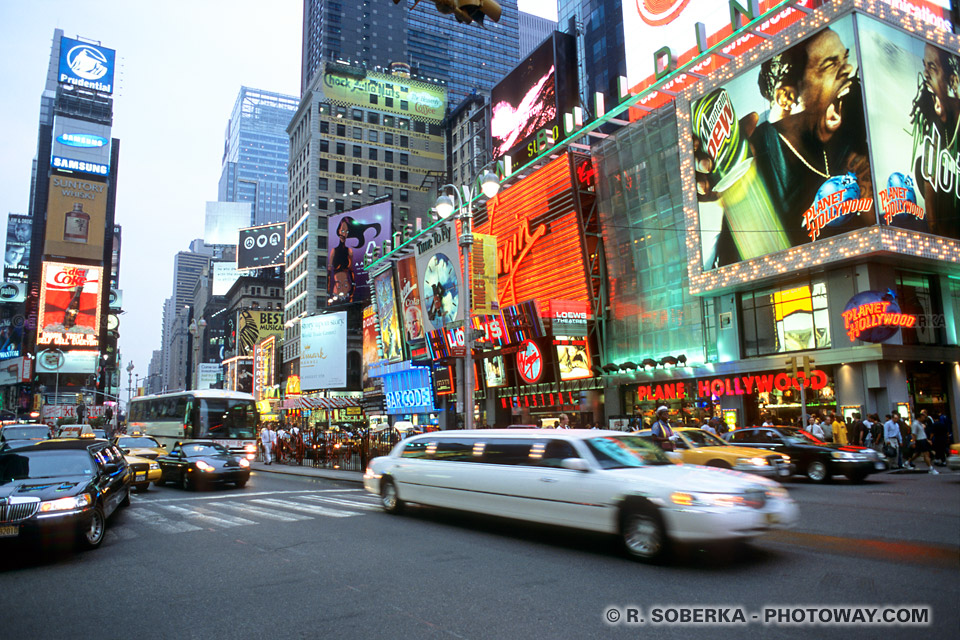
874	316
733	386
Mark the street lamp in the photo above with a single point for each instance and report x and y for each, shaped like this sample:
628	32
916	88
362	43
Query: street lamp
489	184
196	330
129	382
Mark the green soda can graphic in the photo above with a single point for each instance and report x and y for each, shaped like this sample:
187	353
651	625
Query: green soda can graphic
715	124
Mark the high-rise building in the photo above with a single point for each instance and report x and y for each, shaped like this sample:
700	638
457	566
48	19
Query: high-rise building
598	26
533	30
468	58
255	153
188	266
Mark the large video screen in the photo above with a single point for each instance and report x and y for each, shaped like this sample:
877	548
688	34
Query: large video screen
913	105
351	236
781	152
261	247
533	97
69	305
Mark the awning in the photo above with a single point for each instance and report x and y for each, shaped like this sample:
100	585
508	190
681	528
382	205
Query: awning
304	402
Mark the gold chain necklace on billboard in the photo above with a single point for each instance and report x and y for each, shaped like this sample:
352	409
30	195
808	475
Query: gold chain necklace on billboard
826	165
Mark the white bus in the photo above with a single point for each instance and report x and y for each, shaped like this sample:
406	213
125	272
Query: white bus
227	417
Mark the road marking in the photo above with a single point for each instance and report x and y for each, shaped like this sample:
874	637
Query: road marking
233	496
343	503
259	512
203	515
157	521
305	508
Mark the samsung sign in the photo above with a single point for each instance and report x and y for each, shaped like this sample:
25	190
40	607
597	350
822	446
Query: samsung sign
86	65
80	146
82	140
69	164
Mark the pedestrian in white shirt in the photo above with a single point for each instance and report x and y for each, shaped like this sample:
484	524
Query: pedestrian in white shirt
815	428
891	440
268	437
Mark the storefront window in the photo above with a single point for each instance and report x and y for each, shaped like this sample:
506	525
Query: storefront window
918	296
785	319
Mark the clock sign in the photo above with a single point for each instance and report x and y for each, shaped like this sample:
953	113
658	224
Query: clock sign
530	362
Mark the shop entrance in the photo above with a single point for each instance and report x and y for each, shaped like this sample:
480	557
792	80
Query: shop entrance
927	387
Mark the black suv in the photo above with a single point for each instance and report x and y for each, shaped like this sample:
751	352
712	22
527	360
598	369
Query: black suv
818	460
65	486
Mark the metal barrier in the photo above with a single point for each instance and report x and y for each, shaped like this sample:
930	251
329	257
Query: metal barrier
345	450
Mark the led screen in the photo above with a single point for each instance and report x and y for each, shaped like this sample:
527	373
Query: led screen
69	305
261	246
16	259
86	65
913	104
351	236
323	355
573	360
781	152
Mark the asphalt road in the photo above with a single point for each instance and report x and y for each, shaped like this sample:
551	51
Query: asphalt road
292	557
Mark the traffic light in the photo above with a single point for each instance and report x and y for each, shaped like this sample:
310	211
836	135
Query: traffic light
807	365
467	11
792	367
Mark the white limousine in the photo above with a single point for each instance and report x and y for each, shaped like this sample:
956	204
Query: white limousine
606	481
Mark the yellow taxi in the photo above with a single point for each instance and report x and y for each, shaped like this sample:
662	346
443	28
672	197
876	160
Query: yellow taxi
696	446
144	471
953	460
139	445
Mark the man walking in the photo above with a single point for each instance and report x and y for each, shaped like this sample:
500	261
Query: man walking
891	440
269	439
921	446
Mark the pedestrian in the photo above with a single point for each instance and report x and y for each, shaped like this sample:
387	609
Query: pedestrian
856	432
662	431
815	428
906	440
939	434
891	441
827	425
709	428
81	413
564	422
268	437
921	446
839	430
767	421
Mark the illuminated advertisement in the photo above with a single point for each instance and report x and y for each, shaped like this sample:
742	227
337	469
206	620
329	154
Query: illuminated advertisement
443	380
410	303
81	146
913	104
69	305
75	361
86	65
224	275
402	96
539	248
408	389
352	236
261	247
573	360
874	316
530	100
16	260
254	325
495	372
530	362
783	152
483	275
323	352
264	366
522	322
76	215
208	375
388	315
371	350
569	317
438	266
11	326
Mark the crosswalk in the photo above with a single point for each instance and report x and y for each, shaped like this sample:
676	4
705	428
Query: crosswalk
186	514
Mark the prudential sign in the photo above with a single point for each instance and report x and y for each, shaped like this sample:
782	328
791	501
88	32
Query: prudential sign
86	65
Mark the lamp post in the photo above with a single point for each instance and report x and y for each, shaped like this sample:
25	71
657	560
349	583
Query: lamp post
196	330
129	382
489	184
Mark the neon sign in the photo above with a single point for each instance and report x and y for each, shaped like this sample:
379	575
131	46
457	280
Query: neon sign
760	383
875	314
530	362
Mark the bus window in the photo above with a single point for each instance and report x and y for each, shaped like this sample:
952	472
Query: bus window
226	418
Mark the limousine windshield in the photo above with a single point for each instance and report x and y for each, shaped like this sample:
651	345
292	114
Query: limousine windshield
623	452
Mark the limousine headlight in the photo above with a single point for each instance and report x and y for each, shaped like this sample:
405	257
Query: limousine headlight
753	462
66	504
685	499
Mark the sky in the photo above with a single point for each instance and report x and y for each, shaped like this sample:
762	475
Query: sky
180	67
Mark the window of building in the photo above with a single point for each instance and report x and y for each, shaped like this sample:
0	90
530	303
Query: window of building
324	108
404	194
371	154
324	127
405	159
357	115
357	133
388	191
373	117
324	146
404	105
404	213
358	170
322	184
356	187
784	319
404	177
919	295
387	138
421	127
389	103
403	123
341	111
372	190
338	206
342	130
388	175
341	168
404	141
388	156
373	136
341	149
372	173
341	186
355	204
357	151
323	165
388	121
322	204
374	99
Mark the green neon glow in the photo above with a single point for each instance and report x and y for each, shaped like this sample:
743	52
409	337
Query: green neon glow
628	103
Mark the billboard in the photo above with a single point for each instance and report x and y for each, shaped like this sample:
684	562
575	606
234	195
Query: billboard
264	366
351	236
86	65
323	351
371	351
76	361
69	305
573	360
224	275
782	152
76	218
16	260
483	275
222	221
913	105
388	315
495	372
532	98
410	304
11	327
438	269
208	375
261	246
254	325
402	96
81	146
539	247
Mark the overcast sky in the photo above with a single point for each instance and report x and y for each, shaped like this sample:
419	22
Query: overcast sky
180	67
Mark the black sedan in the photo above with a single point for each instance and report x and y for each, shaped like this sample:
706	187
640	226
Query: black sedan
69	487
819	461
199	463
16	435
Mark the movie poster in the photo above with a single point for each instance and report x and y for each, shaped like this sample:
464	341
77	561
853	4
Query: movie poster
913	104
388	315
351	235
438	267
370	351
16	259
781	152
410	305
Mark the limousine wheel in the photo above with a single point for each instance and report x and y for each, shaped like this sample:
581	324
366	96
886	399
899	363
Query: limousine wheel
389	499
641	528
92	535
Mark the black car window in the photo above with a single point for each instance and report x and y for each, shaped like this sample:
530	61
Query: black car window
620	452
552	453
44	464
195	450
25	433
744	435
415	449
460	450
133	442
508	451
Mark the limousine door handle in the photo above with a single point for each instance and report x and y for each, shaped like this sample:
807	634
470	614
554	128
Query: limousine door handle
548	479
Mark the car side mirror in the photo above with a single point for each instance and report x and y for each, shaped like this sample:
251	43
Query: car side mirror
125	451
575	464
111	467
163	446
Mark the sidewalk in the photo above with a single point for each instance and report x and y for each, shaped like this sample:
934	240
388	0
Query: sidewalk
307	471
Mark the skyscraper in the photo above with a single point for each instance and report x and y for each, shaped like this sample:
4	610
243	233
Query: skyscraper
468	58
255	153
598	26
533	30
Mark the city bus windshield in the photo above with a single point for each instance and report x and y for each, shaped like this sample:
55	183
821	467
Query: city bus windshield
225	418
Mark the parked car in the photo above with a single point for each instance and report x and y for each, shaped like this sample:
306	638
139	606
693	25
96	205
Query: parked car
201	463
953	460
14	435
62	487
696	446
605	481
819	461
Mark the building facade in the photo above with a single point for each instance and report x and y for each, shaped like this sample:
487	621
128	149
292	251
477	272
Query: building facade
532	31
